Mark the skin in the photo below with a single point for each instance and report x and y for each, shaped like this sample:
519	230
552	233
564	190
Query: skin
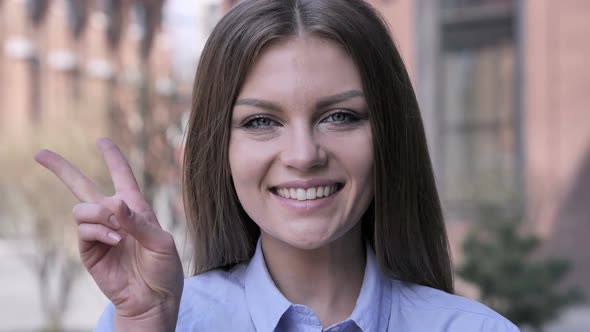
135	262
131	258
297	140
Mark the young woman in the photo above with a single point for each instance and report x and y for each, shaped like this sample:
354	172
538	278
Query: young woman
309	192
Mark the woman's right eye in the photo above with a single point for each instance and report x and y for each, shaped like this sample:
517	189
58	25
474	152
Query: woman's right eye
259	123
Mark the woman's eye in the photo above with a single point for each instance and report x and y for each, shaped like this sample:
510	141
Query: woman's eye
341	117
259	122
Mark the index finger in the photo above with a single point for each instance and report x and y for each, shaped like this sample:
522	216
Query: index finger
82	187
121	173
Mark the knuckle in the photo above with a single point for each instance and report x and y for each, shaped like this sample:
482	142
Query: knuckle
83	231
110	200
90	232
76	210
103	213
89	212
109	203
77	213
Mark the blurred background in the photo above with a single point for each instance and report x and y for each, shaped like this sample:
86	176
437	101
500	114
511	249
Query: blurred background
504	92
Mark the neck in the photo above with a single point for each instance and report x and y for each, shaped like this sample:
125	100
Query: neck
328	279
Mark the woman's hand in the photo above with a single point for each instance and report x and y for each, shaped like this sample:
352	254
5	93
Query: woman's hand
131	258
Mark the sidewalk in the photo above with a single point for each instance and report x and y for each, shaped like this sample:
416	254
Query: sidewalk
20	308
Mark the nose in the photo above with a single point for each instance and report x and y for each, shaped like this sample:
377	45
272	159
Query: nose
303	152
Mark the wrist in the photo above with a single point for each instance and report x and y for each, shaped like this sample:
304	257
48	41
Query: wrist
161	318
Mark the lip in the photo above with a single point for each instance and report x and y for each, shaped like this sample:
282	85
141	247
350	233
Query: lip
305	184
307	206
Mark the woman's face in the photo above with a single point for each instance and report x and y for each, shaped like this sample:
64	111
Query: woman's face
301	152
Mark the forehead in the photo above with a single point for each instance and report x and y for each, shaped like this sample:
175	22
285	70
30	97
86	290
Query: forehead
300	69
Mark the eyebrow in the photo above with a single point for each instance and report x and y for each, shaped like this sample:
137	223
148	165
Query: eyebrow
322	103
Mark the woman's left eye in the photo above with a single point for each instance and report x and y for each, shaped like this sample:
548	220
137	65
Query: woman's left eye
341	117
259	122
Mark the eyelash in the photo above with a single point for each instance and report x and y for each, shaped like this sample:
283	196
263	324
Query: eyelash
350	118
249	123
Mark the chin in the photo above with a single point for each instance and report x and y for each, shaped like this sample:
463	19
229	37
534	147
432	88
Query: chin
308	244
308	240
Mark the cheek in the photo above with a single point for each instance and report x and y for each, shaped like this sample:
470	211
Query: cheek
248	164
360	166
362	157
355	154
357	159
239	164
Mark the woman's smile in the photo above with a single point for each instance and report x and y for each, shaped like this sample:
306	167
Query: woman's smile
302	190
301	151
302	194
307	196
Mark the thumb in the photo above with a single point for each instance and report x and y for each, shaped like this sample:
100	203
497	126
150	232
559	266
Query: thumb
150	235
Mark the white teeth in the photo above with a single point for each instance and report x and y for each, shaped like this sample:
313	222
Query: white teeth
301	194
320	192
310	194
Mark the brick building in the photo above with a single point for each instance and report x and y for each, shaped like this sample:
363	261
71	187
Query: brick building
106	66
105	62
501	83
502	86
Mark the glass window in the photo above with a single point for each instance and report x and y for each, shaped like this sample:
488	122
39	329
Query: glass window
76	14
477	117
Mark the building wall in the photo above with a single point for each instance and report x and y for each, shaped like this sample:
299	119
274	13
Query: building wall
399	15
17	50
91	76
556	101
91	81
557	127
60	55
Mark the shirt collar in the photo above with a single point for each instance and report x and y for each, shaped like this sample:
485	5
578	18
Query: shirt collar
267	304
373	306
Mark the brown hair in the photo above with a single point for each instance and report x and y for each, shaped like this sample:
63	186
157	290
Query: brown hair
404	223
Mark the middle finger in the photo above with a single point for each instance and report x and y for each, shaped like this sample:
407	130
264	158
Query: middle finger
82	187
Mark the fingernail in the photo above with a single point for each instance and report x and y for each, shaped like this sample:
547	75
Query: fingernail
114	236
113	221
126	210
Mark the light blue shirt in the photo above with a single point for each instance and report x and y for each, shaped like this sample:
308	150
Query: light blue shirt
246	299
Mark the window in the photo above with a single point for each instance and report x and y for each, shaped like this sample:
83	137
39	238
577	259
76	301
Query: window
112	10
76	14
37	10
476	119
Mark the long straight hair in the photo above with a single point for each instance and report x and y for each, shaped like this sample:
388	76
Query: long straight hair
404	222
